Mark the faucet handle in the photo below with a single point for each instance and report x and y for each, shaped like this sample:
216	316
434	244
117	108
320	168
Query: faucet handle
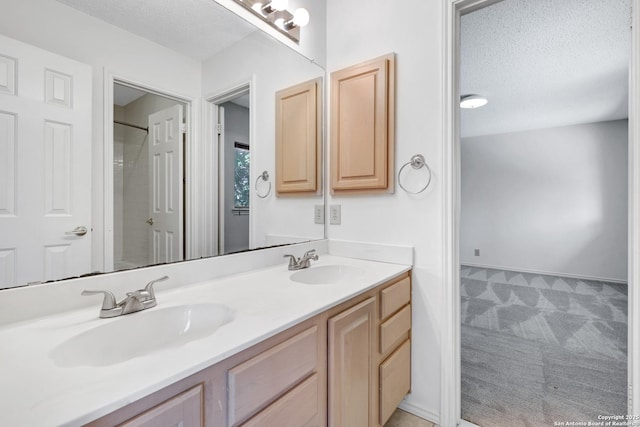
149	287
311	254
292	260
109	301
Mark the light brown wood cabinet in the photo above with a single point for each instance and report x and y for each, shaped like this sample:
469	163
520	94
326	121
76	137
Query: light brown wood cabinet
351	385
369	362
253	384
299	139
184	410
346	367
363	127
395	347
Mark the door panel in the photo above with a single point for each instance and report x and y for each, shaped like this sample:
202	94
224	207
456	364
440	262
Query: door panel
166	158
45	165
350	365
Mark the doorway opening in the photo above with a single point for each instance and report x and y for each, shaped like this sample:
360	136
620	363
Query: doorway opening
149	145
231	117
585	293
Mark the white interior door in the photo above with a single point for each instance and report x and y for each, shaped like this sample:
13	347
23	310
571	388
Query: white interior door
166	185
45	165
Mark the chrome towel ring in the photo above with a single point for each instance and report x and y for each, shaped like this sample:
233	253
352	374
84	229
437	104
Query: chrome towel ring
417	162
265	177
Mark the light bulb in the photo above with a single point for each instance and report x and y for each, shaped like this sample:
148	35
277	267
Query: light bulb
279	23
472	101
301	17
278	4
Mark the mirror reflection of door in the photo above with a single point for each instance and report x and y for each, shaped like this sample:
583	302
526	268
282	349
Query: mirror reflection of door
45	165
148	176
234	174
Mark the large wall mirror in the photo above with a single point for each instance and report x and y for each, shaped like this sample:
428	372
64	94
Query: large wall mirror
139	133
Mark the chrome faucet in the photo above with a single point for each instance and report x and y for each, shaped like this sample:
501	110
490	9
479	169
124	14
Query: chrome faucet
304	262
135	301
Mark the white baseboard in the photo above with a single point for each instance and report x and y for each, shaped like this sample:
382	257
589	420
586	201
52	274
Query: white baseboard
465	423
421	412
549	273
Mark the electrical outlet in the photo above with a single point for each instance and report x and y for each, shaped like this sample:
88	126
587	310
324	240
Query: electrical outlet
318	214
334	214
476	252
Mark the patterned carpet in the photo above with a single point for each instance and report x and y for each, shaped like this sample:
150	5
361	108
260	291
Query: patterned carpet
538	348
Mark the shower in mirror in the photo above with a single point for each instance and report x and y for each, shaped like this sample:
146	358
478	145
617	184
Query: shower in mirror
148	178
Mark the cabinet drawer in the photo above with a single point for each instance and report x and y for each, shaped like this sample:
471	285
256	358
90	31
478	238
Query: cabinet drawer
395	380
394	297
264	378
185	409
395	328
299	407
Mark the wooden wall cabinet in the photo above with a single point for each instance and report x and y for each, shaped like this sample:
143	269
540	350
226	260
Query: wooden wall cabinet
363	127
346	367
299	139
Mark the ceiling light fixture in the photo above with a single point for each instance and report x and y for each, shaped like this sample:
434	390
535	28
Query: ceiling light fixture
472	101
275	13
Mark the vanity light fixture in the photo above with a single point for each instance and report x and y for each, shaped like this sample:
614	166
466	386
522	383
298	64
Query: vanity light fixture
472	101
300	19
275	5
275	13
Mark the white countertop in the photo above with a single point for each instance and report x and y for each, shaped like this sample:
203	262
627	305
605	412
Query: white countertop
34	391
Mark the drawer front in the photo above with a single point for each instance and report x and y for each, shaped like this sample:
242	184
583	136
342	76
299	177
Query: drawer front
258	381
185	409
395	329
395	380
394	297
299	407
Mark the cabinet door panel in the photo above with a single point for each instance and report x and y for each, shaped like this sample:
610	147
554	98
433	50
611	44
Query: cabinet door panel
298	139
350	365
394	297
262	379
394	329
395	380
362	126
184	410
297	408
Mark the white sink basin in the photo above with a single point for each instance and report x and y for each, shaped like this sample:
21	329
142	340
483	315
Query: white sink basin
141	333
327	274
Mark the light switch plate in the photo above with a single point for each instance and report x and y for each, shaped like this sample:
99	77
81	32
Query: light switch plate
318	214
334	214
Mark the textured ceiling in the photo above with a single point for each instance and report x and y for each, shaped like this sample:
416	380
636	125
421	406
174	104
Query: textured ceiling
545	63
197	28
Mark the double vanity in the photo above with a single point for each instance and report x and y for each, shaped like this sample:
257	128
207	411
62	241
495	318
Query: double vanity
324	345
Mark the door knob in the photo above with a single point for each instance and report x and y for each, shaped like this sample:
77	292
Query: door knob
150	221
78	231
